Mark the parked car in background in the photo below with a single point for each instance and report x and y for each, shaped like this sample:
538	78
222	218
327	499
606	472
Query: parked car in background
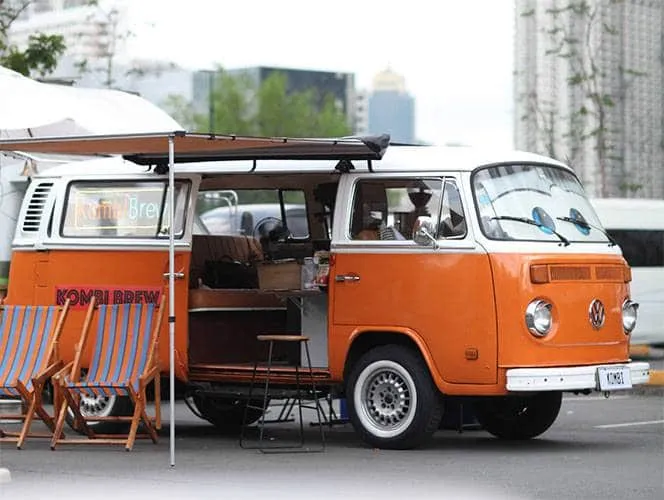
256	219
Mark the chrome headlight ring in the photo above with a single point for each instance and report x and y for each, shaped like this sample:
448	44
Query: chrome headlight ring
629	315
539	318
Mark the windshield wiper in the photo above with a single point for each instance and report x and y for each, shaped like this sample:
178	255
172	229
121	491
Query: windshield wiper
525	220
586	225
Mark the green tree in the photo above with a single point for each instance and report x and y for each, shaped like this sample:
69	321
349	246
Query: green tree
231	110
42	53
239	107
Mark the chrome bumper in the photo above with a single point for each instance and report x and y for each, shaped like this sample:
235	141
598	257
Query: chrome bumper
568	378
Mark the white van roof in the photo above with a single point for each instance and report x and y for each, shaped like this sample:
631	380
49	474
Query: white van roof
396	159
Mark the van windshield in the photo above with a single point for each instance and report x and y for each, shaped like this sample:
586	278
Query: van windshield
534	203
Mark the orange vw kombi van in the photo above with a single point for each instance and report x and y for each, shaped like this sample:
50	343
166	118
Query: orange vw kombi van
453	273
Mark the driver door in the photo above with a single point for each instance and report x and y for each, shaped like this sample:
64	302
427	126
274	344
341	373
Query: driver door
441	295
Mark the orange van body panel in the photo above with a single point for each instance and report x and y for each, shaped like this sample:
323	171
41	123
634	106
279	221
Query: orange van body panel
575	281
450	305
443	301
35	276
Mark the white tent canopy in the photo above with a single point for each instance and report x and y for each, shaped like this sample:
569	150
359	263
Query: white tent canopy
32	109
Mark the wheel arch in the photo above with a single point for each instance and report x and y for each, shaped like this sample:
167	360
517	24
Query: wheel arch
364	340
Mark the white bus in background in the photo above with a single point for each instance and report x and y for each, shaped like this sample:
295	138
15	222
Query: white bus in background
637	225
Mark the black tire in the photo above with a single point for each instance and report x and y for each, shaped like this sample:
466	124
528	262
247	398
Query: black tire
113	406
226	414
518	417
392	401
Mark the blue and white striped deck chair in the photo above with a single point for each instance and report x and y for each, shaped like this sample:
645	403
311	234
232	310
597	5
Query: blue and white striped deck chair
28	359
123	360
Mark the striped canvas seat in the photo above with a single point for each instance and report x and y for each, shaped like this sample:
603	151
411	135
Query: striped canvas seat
28	358
25	332
122	359
121	350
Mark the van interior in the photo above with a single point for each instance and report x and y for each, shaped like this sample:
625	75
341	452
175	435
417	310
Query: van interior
245	222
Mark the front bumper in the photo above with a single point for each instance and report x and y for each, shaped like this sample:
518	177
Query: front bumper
569	378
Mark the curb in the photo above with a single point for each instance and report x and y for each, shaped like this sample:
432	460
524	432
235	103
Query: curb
654	387
639	350
656	378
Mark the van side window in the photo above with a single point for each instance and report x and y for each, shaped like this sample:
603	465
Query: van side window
260	213
387	209
640	247
452	218
122	209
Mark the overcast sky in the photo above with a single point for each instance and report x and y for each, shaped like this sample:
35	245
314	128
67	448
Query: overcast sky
456	55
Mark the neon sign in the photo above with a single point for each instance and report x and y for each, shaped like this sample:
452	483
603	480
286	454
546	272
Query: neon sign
114	208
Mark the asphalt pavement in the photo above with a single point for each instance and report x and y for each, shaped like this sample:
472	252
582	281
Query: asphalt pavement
598	448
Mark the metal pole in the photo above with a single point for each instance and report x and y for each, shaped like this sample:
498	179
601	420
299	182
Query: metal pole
171	290
211	100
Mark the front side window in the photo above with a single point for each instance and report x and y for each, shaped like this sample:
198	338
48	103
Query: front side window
534	203
452	217
123	209
388	209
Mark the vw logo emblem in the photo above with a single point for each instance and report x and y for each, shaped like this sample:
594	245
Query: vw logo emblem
596	314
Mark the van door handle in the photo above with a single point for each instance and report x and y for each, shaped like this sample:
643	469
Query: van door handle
340	278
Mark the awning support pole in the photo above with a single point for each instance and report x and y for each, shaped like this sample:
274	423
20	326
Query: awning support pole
171	291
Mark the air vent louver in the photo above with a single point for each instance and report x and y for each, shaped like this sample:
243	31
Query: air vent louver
36	206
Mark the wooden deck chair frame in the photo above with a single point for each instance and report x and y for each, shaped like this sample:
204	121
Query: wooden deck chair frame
29	357
71	385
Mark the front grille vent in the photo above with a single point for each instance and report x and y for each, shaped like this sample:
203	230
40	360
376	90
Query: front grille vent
569	273
610	273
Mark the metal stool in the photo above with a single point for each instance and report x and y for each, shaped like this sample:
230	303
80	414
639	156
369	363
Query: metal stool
300	339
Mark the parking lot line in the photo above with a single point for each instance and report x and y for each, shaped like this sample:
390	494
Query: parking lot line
599	397
629	424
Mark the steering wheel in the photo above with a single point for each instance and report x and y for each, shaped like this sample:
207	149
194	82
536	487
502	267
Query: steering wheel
270	228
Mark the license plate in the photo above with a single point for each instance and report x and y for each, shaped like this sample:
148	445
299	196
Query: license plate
614	377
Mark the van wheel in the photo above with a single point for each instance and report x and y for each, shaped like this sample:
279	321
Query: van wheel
518	417
226	414
111	406
392	401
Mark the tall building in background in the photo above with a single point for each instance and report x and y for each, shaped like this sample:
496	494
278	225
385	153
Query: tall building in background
613	51
391	109
90	32
341	86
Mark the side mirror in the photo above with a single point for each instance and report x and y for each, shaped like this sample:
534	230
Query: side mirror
424	231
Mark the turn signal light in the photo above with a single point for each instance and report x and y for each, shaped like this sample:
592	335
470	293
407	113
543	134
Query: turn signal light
539	273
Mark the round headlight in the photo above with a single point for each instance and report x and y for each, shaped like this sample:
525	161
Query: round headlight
629	313
538	317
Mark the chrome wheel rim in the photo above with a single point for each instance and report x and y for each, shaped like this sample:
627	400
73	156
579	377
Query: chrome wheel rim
98	406
385	398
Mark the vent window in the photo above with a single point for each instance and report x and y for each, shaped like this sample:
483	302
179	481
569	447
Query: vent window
36	206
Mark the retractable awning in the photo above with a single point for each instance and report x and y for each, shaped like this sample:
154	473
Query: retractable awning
153	148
